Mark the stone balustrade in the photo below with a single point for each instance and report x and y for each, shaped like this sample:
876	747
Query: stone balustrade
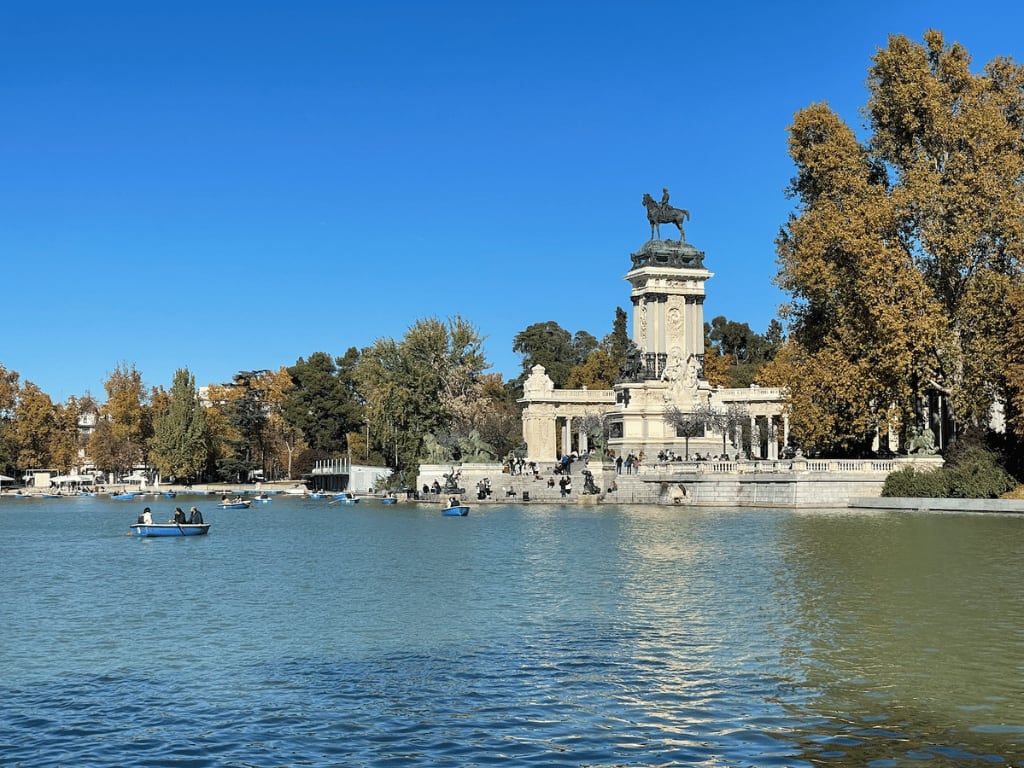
669	470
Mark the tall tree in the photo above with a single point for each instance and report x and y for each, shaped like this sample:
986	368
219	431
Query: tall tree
35	427
122	434
181	444
618	342
904	249
953	142
8	403
418	386
547	344
65	443
323	402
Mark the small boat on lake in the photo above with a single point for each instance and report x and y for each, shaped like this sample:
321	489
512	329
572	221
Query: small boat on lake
389	500
123	496
234	505
455	508
169	529
261	499
344	498
169	494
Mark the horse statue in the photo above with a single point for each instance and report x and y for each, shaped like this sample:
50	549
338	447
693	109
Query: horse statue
664	214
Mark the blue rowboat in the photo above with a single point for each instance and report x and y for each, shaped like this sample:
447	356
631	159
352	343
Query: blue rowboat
316	495
389	500
261	500
235	505
344	498
169	494
169	529
458	511
123	496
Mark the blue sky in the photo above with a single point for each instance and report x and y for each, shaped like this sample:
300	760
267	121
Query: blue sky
234	185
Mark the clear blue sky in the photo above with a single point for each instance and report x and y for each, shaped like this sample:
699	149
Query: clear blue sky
234	185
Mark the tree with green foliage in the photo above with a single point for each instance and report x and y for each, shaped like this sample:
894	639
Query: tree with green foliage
904	248
547	344
735	354
323	401
180	447
417	386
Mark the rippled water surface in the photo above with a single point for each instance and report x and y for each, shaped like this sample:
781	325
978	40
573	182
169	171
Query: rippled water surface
304	633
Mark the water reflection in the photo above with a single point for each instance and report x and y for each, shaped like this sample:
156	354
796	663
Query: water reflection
914	638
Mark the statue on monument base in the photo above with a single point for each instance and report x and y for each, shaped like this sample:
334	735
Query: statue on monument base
663	213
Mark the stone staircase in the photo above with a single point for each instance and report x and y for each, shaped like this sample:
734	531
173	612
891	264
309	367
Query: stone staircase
628	489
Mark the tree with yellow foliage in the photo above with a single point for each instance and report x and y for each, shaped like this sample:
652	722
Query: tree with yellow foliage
902	249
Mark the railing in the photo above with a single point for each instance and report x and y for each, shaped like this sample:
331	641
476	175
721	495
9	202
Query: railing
780	465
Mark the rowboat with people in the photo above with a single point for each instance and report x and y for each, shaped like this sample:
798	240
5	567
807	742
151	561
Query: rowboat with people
454	508
169	529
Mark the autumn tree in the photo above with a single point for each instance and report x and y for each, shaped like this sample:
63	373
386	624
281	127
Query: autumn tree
903	249
282	440
8	402
34	427
65	442
122	433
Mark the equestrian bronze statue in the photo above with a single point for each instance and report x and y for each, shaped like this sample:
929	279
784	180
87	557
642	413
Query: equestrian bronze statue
663	213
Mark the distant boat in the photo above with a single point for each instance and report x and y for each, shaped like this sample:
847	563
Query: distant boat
124	496
169	494
344	498
234	505
317	495
169	529
262	499
389	500
297	490
459	510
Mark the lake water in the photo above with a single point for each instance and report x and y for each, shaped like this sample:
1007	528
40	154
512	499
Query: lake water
308	634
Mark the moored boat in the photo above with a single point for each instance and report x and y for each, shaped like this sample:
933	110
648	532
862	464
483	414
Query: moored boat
123	496
169	529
